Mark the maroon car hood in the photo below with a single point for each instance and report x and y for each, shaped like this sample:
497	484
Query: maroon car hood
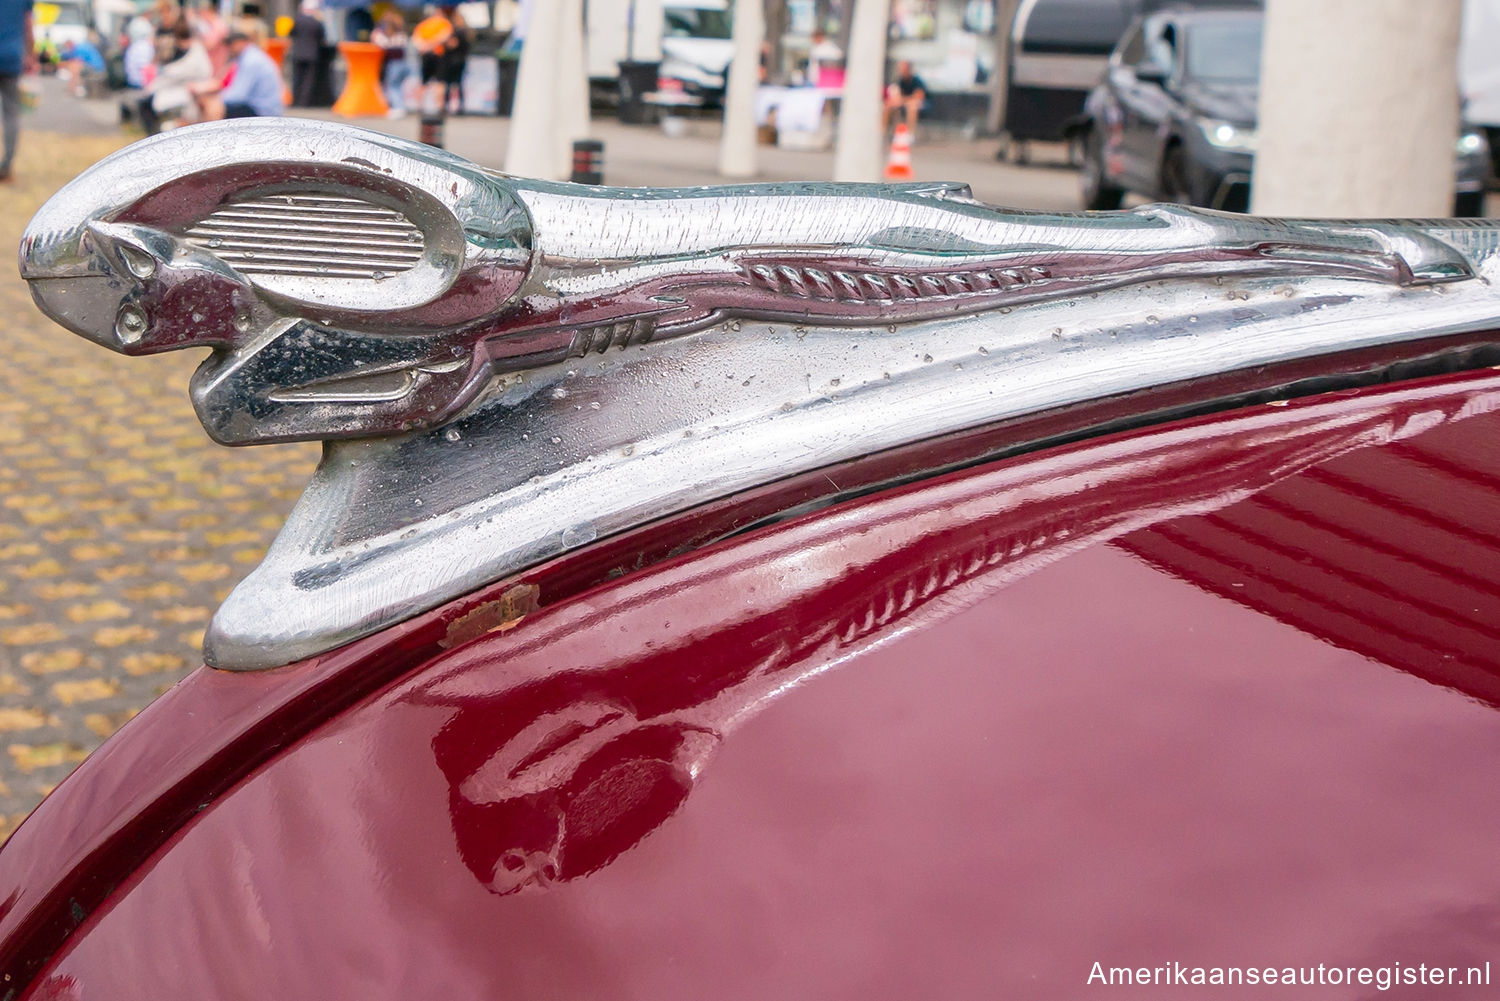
1218	693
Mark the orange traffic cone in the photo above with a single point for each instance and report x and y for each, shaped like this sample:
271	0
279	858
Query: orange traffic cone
898	164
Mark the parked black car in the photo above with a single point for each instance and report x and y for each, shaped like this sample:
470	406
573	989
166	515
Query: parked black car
1058	49
1174	116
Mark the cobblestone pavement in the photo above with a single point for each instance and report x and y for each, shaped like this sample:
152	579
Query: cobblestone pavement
122	525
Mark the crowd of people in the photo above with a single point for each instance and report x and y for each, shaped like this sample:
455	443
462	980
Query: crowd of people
422	68
184	62
188	64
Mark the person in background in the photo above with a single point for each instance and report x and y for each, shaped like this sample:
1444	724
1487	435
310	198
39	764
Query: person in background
17	56
431	38
251	23
210	29
84	62
165	13
390	35
307	49
455	58
169	93
359	23
254	87
825	58
906	95
140	53
257	31
45	50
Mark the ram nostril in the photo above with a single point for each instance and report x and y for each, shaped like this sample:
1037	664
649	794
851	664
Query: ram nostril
130	325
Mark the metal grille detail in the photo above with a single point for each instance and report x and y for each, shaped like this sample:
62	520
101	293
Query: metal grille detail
312	235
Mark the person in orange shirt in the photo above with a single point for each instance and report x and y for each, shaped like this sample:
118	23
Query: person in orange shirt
431	38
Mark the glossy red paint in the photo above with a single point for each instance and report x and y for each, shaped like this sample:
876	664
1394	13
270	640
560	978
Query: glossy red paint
959	739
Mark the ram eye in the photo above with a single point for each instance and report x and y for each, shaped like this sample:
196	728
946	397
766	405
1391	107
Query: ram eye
310	235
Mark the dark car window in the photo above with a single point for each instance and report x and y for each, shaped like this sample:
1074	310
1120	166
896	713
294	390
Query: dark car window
1224	50
693	22
1161	46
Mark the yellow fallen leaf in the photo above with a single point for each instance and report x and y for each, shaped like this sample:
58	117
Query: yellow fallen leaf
96	611
120	635
199	572
21	719
11	685
64	589
34	632
89	690
30	757
151	663
105	724
182	614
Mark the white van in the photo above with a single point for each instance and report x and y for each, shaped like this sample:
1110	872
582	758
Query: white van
690	38
62	21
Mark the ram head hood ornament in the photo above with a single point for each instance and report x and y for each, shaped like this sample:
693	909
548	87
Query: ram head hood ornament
351	284
499	369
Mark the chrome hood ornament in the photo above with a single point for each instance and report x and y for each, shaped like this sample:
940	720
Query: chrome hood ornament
496	363
352	284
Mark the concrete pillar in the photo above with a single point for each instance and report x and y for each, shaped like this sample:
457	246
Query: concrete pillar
858	155
1358	108
1005	17
551	108
532	148
572	85
737	152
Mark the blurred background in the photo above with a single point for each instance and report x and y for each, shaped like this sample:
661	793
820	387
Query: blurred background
1343	107
122	526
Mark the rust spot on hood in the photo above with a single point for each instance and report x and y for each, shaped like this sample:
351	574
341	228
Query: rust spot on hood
505	612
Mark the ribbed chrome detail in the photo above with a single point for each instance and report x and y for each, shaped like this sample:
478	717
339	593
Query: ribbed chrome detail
310	234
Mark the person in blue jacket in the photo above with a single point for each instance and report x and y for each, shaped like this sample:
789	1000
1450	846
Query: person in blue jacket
254	88
17	56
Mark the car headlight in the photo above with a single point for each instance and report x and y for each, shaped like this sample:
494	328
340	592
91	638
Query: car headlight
1469	143
1225	135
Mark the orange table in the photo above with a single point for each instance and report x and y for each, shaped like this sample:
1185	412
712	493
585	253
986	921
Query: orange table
361	97
276	49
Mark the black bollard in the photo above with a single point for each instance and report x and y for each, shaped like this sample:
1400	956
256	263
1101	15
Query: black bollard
588	162
430	129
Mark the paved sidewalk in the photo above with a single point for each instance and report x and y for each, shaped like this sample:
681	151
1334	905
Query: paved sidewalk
121	524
